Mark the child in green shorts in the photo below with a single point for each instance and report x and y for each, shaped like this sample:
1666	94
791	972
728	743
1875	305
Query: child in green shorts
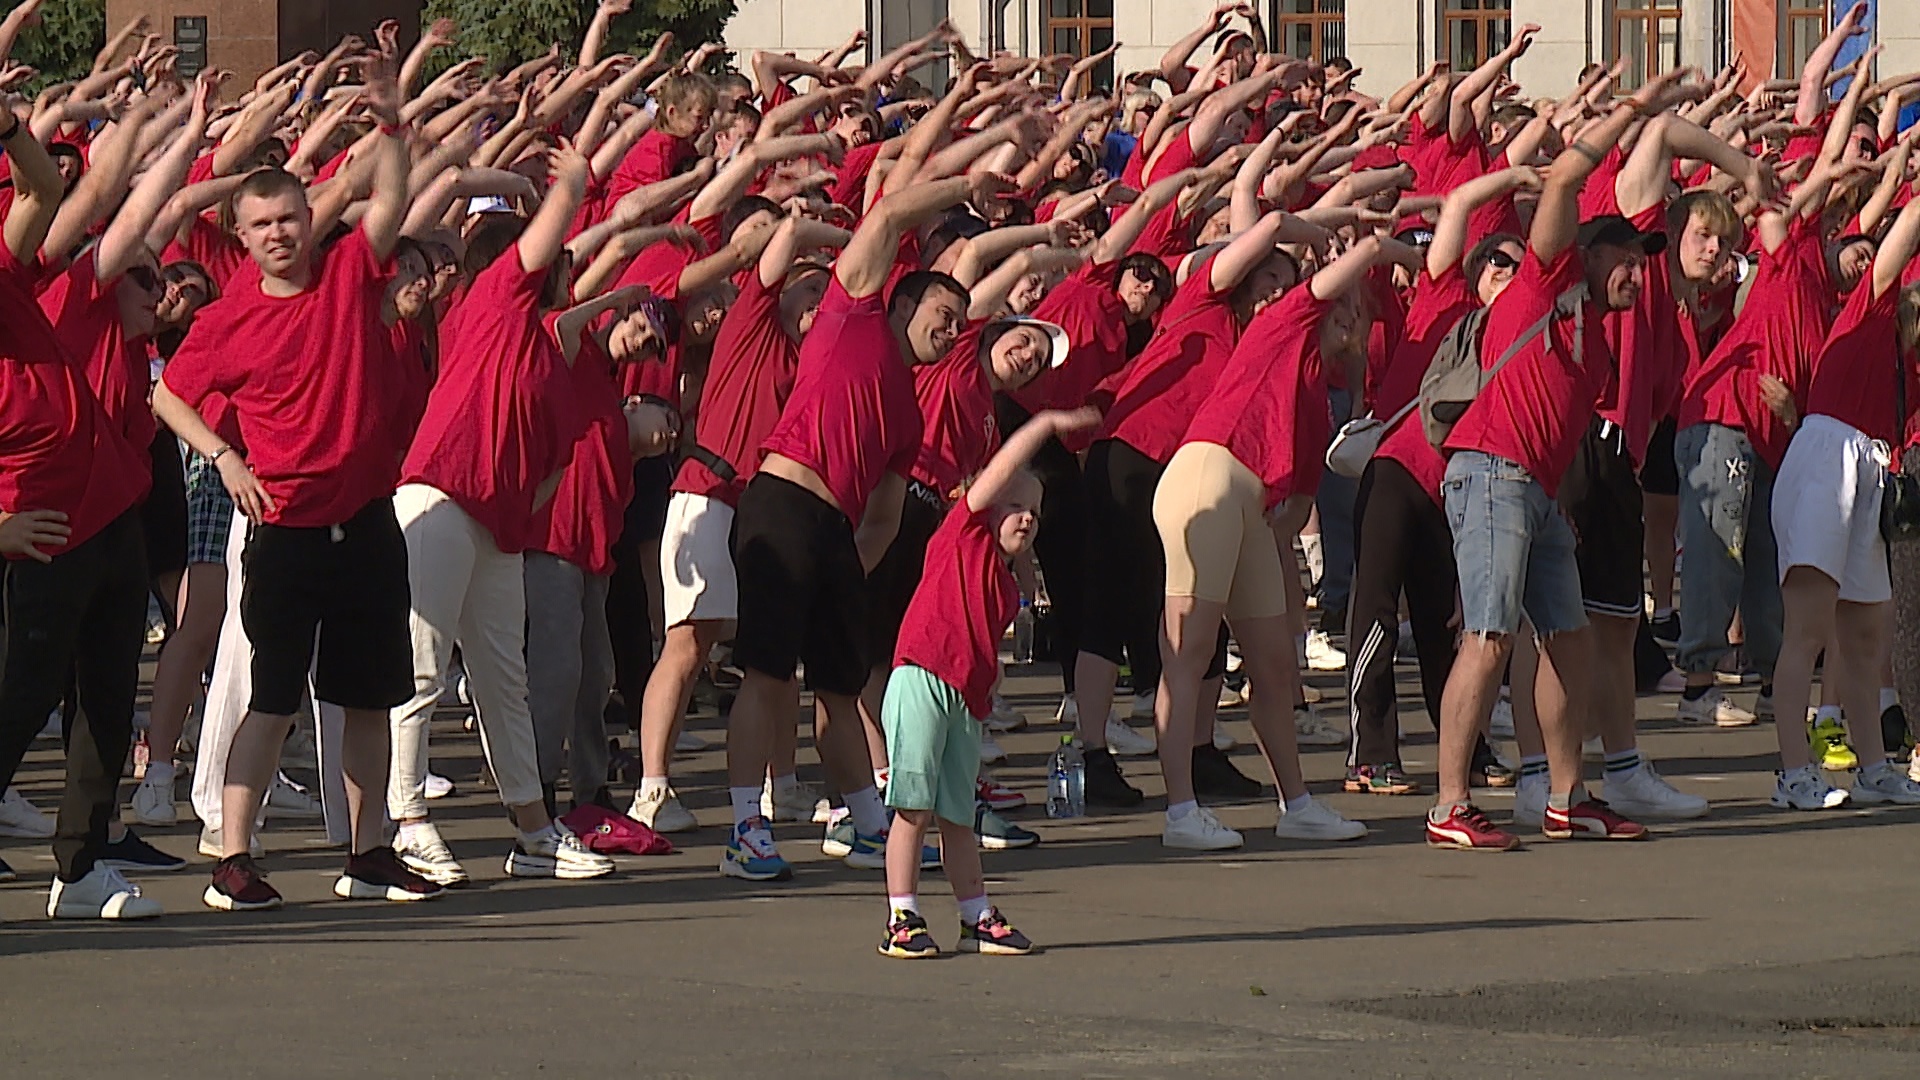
945	666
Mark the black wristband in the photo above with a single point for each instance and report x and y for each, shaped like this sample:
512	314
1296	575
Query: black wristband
8	135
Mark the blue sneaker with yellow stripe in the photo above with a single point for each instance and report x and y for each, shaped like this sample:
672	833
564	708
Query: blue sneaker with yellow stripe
751	854
865	852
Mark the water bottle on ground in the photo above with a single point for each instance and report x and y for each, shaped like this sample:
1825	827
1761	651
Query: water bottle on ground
1066	781
1023	633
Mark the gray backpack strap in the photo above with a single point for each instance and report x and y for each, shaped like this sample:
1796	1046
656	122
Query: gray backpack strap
1572	302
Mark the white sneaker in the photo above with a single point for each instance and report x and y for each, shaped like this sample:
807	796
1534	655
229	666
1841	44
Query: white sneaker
1004	717
556	853
1200	831
990	751
1232	698
1501	726
1126	740
1806	788
1530	803
689	743
18	817
102	894
212	844
1068	712
1644	793
287	799
436	786
1317	821
804	803
1713	708
1913	769
1321	655
52	729
1312	729
1222	740
425	853
1143	706
1234	660
153	803
661	811
1884	785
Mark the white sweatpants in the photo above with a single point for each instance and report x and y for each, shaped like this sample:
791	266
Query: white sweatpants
465	589
227	697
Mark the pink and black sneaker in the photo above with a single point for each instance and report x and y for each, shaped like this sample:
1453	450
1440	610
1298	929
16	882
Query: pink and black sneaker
994	936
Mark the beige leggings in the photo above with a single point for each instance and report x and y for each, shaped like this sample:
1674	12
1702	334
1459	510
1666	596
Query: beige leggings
1211	513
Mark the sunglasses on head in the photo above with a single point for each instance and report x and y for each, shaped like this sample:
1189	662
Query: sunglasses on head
1502	260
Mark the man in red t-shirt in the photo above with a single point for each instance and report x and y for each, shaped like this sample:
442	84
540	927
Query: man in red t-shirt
76	589
1513	548
305	358
823	507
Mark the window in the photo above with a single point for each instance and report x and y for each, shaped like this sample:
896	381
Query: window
1803	25
1474	30
1647	34
1311	29
190	37
1082	28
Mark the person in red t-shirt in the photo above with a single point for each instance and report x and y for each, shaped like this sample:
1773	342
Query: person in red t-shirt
1510	449
76	581
314	387
825	504
1232	497
684	108
749	376
945	664
1834	582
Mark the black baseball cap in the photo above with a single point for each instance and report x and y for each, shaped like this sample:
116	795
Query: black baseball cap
1612	230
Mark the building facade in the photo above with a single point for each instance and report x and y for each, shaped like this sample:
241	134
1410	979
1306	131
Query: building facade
249	37
1392	40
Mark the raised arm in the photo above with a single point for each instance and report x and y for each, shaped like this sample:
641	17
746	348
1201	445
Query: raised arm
791	237
1813	77
1557	219
1213	112
1482	80
440	34
387	211
1119	239
1019	448
572	324
1173	63
257	121
126	235
989	295
95	196
926	135
732	181
863	268
1247	251
1450	236
15	22
37	191
1893	175
1343	273
596	37
1642	183
1897	250
1245	206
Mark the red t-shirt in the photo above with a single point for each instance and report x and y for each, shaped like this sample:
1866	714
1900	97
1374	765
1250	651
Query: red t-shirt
588	509
1168	235
314	382
1269	405
849	187
1601	194
86	317
654	157
1650	350
966	600
1779	332
957	430
1438	305
222	256
1095	319
1853	381
502	417
1158	393
659	267
58	449
852	415
410	349
1536	410
748	380
1176	154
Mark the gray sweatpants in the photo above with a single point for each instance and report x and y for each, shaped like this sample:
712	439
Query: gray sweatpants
569	671
1726	534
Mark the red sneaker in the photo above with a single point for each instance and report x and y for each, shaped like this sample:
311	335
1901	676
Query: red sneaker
1467	829
1590	819
238	885
998	796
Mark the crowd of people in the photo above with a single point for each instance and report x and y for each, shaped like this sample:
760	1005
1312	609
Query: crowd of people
555	386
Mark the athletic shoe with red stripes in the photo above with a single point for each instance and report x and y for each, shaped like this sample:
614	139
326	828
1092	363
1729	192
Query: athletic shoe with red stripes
999	796
1590	819
1467	829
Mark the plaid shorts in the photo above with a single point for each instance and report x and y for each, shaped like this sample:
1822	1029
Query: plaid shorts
209	512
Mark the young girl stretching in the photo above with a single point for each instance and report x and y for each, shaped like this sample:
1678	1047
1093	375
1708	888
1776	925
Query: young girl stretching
942	685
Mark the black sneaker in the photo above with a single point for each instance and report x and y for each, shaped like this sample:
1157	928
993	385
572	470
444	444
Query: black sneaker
908	938
1667	630
1105	785
135	854
994	936
1894	733
238	885
1215	777
6	872
380	875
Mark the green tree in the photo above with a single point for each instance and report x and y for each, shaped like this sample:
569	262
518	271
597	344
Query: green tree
509	32
691	21
63	46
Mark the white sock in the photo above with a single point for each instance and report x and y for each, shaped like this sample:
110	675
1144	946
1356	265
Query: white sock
880	778
410	831
784	784
1177	812
972	911
1888	699
1299	803
531	839
1827	712
651	784
746	803
161	773
869	813
902	905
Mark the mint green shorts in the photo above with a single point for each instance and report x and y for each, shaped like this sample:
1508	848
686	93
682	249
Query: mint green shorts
933	745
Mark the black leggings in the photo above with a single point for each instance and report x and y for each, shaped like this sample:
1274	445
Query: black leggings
1061	546
1401	542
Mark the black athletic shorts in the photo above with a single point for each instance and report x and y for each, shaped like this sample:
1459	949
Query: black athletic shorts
347	582
164	515
891	586
646	516
1660	476
1601	498
803	592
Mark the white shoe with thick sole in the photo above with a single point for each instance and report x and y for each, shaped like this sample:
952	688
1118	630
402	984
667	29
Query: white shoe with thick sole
212	847
990	750
1200	831
1312	729
661	812
153	802
20	818
423	851
1316	821
557	853
287	799
804	803
1644	793
1806	788
436	786
1884	785
1004	717
1321	654
1713	708
102	894
1125	740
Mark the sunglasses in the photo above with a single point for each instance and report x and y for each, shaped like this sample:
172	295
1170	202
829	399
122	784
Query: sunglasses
144	278
1502	260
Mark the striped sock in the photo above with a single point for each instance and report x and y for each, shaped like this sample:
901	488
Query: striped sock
1623	762
1533	766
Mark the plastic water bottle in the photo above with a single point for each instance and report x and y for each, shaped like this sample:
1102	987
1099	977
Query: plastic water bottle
1023	633
1066	781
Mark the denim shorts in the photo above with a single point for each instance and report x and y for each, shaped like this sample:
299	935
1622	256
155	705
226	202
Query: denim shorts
1513	548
